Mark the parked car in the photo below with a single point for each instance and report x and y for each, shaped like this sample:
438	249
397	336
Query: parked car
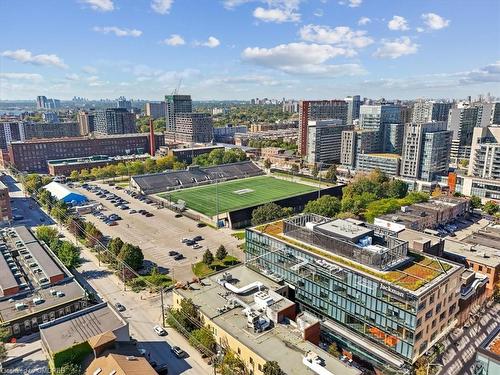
172	253
201	225
119	306
179	257
159	330
148	214
178	215
142	212
184	240
132	212
178	352
197	238
190	242
197	246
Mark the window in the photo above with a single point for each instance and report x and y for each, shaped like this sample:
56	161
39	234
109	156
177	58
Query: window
428	314
239	351
431	299
419	321
418	336
488	270
259	367
480	268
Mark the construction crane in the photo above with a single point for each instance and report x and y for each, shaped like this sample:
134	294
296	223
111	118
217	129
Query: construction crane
176	91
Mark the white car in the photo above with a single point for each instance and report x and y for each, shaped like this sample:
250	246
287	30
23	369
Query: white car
159	331
197	246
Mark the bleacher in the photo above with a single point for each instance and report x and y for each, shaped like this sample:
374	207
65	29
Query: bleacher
193	176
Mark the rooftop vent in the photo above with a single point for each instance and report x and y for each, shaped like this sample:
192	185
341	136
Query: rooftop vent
37	300
60	294
20	306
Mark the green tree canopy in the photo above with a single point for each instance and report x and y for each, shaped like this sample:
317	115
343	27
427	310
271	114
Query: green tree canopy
203	340
46	234
221	252
208	257
272	368
490	207
475	201
268	212
115	245
132	255
325	206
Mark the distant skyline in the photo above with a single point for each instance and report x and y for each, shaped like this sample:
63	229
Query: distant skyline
241	49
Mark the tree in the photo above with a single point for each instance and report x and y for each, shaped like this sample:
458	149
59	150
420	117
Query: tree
331	173
221	252
69	369
231	364
333	349
115	245
208	257
294	168
74	175
131	255
475	201
490	207
267	163
272	368
268	212
46	234
92	234
437	192
203	340
46	198
397	189
325	206
68	253
315	171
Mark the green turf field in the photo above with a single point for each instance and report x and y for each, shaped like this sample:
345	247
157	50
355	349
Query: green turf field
232	194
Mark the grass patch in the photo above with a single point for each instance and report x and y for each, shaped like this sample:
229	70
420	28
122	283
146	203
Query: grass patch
201	269
237	194
239	235
142	282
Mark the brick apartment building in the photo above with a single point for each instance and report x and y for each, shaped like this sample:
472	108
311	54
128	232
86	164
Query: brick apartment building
32	156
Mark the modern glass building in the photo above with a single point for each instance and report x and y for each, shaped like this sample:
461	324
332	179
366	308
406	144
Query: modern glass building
378	301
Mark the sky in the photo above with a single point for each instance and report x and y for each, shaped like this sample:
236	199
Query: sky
243	49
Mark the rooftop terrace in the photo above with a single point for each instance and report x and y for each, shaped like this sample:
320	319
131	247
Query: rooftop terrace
413	272
225	300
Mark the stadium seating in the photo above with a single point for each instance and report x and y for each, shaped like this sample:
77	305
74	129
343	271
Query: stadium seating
194	176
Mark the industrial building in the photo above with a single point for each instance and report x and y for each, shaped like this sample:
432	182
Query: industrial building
35	287
32	156
64	167
379	301
250	315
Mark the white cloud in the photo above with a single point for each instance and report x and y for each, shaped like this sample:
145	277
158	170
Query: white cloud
318	13
301	58
434	21
420	29
72	77
212	42
341	35
118	31
89	69
27	57
364	21
33	77
351	3
398	23
174	40
489	73
396	48
230	4
276	15
101	5
162	6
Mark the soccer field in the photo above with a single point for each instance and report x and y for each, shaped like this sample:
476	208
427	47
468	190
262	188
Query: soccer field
237	194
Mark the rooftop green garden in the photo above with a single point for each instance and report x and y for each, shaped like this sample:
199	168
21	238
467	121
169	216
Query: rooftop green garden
411	275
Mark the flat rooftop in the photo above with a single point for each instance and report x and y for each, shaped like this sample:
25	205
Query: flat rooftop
95	159
491	345
385	155
415	275
480	247
36	272
282	343
82	138
80	326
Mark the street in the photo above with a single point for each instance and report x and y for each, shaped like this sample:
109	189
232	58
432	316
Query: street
143	309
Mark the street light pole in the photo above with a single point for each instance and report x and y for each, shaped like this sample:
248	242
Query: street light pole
162	308
217	203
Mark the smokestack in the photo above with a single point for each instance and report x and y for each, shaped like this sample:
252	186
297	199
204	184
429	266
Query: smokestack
151	138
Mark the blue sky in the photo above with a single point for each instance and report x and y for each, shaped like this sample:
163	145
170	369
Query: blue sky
239	49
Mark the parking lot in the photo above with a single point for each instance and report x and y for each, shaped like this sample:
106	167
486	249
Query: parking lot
159	233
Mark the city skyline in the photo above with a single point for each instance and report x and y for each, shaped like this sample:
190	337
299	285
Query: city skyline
239	49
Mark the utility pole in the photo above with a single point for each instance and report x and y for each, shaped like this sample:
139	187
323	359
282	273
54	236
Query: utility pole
319	180
162	308
217	203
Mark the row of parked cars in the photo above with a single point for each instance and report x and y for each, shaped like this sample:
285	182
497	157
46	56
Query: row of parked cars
110	220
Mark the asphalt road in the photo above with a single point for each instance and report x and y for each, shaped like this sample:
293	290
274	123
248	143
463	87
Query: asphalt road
161	233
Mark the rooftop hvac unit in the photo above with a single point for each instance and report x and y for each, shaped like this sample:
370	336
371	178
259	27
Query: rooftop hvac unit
60	294
20	306
404	208
37	300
